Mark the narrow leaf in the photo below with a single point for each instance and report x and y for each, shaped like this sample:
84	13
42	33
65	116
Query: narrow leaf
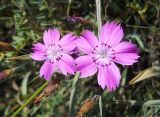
22	57
72	96
6	46
151	103
24	84
145	74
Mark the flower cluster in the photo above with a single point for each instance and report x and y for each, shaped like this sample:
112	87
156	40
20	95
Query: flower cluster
99	54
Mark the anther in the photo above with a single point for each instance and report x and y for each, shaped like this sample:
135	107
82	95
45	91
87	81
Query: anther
102	65
59	45
94	60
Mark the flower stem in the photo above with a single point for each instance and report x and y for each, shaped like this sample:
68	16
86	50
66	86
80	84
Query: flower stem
99	22
73	94
69	7
98	14
29	100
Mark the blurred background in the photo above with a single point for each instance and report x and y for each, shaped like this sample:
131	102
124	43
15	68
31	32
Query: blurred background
22	23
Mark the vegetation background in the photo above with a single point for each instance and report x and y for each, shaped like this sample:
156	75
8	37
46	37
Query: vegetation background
22	23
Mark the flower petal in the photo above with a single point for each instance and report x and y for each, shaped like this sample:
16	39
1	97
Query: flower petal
38	52
86	66
66	64
90	37
68	42
84	45
47	70
38	56
125	61
39	47
125	47
105	30
125	53
111	33
109	76
51	36
102	77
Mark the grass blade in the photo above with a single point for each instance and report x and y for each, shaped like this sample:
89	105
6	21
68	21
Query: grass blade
72	96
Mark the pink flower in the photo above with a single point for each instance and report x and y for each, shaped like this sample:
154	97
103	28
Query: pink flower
55	53
101	55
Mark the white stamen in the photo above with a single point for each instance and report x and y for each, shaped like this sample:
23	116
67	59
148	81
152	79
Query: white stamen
102	56
53	53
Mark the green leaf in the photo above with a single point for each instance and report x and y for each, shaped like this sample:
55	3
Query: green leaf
152	103
19	42
24	84
145	74
73	95
138	39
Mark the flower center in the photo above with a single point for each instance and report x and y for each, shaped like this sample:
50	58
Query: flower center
102	55
54	53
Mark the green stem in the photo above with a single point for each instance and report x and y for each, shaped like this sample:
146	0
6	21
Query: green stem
30	99
99	22
72	96
98	14
69	7
135	26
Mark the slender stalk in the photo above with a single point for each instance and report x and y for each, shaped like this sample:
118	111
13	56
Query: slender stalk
135	26
69	7
99	22
98	14
29	100
72	96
